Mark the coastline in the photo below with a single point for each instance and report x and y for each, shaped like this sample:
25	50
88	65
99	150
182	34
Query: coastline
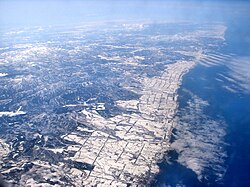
93	148
127	148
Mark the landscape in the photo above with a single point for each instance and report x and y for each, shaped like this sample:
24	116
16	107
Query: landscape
124	102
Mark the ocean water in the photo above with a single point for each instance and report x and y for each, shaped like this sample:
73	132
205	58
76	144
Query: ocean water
210	144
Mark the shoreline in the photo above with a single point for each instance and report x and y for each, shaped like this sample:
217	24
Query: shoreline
125	149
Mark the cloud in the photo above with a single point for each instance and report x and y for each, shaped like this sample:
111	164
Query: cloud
240	72
200	141
237	77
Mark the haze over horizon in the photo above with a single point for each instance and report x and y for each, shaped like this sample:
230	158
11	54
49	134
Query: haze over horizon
56	12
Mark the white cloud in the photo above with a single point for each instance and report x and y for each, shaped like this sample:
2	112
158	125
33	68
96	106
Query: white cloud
200	140
240	72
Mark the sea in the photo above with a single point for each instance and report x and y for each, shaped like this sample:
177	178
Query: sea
210	143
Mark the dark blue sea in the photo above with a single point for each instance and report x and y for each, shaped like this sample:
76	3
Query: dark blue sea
210	144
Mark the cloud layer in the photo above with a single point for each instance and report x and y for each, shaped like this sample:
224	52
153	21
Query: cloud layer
199	141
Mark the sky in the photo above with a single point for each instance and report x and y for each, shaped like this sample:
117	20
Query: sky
45	12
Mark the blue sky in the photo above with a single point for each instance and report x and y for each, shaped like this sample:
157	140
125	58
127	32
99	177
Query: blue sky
45	12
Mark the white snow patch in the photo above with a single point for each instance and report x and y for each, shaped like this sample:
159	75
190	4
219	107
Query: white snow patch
11	114
3	74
